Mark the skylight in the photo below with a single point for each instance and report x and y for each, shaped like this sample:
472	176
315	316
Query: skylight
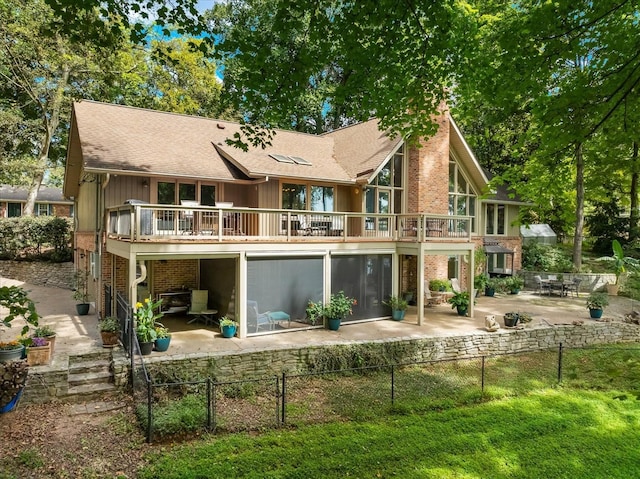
290	159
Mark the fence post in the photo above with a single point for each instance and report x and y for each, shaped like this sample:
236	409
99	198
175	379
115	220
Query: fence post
277	400
560	364
213	407
482	380
284	398
393	386
149	412
209	404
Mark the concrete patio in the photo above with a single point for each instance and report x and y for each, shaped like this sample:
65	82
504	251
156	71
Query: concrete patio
80	335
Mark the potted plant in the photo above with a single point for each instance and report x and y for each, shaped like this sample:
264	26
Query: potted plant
109	331
480	282
439	285
145	316
596	303
45	331
38	351
11	350
460	301
228	327
511	319
81	291
163	338
514	284
338	307
620	263
493	285
398	307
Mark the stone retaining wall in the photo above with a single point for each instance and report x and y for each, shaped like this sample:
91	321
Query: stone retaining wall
47	383
259	364
41	273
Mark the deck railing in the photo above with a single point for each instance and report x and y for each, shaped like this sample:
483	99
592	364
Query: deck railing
145	222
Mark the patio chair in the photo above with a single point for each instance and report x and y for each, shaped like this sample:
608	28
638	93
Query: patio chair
431	300
257	320
541	285
199	308
574	286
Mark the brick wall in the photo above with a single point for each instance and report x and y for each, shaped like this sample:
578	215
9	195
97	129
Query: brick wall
174	274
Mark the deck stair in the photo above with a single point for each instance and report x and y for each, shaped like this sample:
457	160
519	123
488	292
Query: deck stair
90	375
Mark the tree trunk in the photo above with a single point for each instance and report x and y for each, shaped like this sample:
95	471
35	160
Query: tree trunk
577	236
50	112
634	214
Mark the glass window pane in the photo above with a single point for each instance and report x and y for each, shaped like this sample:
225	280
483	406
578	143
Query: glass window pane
166	193
452	205
397	169
384	177
501	220
452	177
321	198
397	202
490	219
187	192
14	210
462	183
208	195
462	205
370	200
294	197
383	202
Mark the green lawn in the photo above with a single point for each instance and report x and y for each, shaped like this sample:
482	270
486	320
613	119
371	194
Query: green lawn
546	433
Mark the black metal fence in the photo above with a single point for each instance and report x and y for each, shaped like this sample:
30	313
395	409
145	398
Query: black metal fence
166	408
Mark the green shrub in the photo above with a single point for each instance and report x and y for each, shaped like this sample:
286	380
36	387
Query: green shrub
537	257
42	237
179	416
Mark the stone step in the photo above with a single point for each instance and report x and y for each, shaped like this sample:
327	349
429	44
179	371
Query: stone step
96	365
104	355
86	391
102	377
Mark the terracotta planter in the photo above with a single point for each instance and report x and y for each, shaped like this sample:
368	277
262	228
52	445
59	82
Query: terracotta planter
109	339
37	356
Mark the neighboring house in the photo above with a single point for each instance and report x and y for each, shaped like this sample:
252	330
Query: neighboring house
49	202
164	206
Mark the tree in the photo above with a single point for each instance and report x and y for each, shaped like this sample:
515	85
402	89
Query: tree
41	71
568	66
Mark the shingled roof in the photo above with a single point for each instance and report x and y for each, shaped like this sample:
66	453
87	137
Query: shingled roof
115	138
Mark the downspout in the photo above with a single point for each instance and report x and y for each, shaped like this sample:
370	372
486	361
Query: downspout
98	241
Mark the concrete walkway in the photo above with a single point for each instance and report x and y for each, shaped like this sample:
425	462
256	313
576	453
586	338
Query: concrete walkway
79	334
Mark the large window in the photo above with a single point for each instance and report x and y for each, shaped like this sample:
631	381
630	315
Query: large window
385	193
14	210
496	219
462	197
284	284
170	193
366	278
307	197
43	209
